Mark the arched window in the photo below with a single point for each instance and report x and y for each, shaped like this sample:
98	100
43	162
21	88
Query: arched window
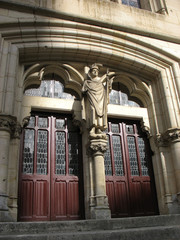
119	96
132	3
49	88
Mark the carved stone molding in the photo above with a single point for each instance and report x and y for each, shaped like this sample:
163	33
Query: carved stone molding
9	123
145	129
25	121
97	147
172	135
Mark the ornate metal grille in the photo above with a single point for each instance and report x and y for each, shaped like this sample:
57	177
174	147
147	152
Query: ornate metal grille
28	152
143	157
117	153
107	161
133	156
73	148
60	153
42	151
132	3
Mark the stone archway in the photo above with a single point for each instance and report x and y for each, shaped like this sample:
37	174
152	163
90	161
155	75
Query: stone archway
156	70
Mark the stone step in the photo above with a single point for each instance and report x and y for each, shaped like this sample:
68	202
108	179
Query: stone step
154	233
141	228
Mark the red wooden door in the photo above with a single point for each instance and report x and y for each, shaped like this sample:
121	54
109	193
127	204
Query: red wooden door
50	170
129	176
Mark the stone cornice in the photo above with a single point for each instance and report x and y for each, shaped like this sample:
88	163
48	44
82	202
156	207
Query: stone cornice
9	123
171	135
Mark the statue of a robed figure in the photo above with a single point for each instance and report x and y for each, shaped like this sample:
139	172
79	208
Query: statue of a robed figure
95	92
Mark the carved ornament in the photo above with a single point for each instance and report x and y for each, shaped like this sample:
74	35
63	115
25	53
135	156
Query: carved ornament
145	129
97	147
170	136
9	123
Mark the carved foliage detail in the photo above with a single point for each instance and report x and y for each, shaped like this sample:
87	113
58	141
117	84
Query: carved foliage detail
10	124
97	146
170	136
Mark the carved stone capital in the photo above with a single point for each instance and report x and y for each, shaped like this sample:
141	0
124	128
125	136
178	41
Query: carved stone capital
172	135
9	123
97	147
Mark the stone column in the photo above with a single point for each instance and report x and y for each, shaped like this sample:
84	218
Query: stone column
171	138
7	129
100	208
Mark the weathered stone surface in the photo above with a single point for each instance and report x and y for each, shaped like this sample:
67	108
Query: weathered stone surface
141	228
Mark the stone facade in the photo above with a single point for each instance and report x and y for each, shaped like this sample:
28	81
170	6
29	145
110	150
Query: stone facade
140	47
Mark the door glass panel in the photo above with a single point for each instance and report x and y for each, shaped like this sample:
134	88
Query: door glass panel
60	153
42	151
117	153
42	122
133	156
60	123
73	153
107	161
31	122
115	128
143	157
28	152
129	129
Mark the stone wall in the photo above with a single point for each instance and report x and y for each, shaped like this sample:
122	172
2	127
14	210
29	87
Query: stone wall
139	46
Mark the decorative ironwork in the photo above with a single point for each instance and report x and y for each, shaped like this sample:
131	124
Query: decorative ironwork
28	152
132	156
117	153
42	151
60	153
73	147
107	161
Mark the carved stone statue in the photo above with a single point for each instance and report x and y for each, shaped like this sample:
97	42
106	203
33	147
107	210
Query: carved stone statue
95	92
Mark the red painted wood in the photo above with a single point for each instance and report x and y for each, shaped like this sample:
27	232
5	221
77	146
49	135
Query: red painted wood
50	196
130	195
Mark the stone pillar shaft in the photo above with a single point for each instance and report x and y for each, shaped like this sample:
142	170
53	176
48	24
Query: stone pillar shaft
100	209
4	155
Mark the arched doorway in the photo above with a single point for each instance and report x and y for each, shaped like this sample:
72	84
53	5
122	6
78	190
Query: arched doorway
129	175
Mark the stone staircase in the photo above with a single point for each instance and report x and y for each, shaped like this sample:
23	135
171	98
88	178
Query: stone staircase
137	228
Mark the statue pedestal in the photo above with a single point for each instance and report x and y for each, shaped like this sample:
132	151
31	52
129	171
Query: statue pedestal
100	207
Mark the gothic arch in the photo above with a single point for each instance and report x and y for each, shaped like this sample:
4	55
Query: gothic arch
72	79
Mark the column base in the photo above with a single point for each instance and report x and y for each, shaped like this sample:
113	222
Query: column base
174	205
100	213
4	210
